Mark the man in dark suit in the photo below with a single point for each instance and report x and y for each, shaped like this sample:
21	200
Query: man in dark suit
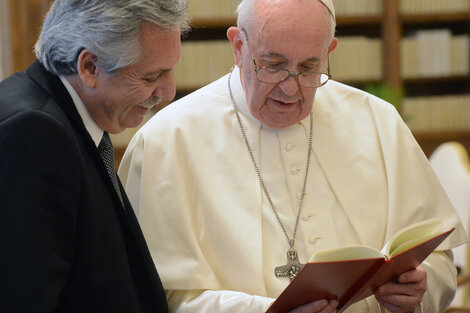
70	240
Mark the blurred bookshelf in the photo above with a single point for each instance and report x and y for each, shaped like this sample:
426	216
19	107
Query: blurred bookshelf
378	40
420	47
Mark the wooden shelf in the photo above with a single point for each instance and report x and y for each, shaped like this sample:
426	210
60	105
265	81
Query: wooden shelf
359	83
26	20
359	20
431	86
459	17
215	29
340	20
444	136
451	18
213	23
429	141
440	79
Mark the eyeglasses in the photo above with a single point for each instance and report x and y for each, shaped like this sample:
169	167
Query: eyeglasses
271	75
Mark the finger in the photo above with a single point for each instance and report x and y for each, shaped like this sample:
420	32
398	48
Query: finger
409	289
417	275
331	307
320	306
315	306
399	303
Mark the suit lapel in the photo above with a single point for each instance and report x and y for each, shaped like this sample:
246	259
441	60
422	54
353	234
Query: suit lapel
143	263
52	84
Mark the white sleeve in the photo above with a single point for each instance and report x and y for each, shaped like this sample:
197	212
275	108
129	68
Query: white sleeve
220	301
442	281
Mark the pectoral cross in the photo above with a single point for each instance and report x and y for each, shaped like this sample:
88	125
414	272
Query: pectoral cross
292	268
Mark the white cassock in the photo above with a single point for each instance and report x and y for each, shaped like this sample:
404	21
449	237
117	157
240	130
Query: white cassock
209	227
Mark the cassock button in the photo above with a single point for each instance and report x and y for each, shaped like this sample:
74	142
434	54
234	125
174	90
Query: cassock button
289	147
294	171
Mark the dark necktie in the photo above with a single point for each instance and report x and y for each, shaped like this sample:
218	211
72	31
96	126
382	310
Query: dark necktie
107	154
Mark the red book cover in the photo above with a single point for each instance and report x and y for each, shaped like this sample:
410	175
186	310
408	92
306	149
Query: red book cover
350	281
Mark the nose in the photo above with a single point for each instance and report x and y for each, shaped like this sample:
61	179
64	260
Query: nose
167	87
290	85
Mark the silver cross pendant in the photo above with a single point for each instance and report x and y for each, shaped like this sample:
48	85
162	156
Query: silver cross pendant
292	268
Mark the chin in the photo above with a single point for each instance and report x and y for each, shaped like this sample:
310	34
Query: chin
278	123
136	122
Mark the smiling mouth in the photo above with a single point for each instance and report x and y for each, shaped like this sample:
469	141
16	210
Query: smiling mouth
283	103
150	103
147	105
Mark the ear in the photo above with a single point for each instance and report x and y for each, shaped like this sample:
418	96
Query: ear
333	44
234	35
87	69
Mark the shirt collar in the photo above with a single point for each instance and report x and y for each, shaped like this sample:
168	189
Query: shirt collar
93	129
239	94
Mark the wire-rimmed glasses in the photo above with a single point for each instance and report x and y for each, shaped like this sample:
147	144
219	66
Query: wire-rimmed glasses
272	75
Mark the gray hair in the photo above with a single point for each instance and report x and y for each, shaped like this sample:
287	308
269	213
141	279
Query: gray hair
246	10
110	29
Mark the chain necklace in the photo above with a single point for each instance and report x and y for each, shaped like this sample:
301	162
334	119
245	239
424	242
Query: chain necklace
293	266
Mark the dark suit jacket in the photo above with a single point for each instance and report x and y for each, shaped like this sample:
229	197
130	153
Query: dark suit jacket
67	243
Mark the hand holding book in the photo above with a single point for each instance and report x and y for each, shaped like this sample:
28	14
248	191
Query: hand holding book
404	294
353	273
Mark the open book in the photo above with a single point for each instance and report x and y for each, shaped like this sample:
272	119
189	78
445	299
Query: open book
352	273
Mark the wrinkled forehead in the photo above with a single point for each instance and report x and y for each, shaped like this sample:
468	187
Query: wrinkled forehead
291	22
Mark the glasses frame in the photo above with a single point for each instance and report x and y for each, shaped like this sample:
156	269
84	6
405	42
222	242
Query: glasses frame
296	75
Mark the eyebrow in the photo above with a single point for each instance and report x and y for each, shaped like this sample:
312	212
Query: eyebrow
278	55
156	73
313	59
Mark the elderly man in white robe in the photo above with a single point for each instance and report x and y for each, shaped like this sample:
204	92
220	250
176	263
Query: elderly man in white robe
274	157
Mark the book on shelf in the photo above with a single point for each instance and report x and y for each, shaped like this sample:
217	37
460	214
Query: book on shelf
353	273
437	113
433	6
212	9
435	53
202	62
363	65
358	7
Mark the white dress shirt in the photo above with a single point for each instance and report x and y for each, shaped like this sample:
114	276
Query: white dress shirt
93	129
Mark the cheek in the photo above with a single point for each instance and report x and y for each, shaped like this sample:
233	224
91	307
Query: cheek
135	96
260	89
258	95
309	95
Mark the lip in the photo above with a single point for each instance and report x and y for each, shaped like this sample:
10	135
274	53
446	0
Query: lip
281	105
141	110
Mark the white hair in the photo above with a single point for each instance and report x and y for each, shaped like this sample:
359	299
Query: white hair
110	29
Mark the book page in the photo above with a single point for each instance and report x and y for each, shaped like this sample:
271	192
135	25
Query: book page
411	243
346	253
412	235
